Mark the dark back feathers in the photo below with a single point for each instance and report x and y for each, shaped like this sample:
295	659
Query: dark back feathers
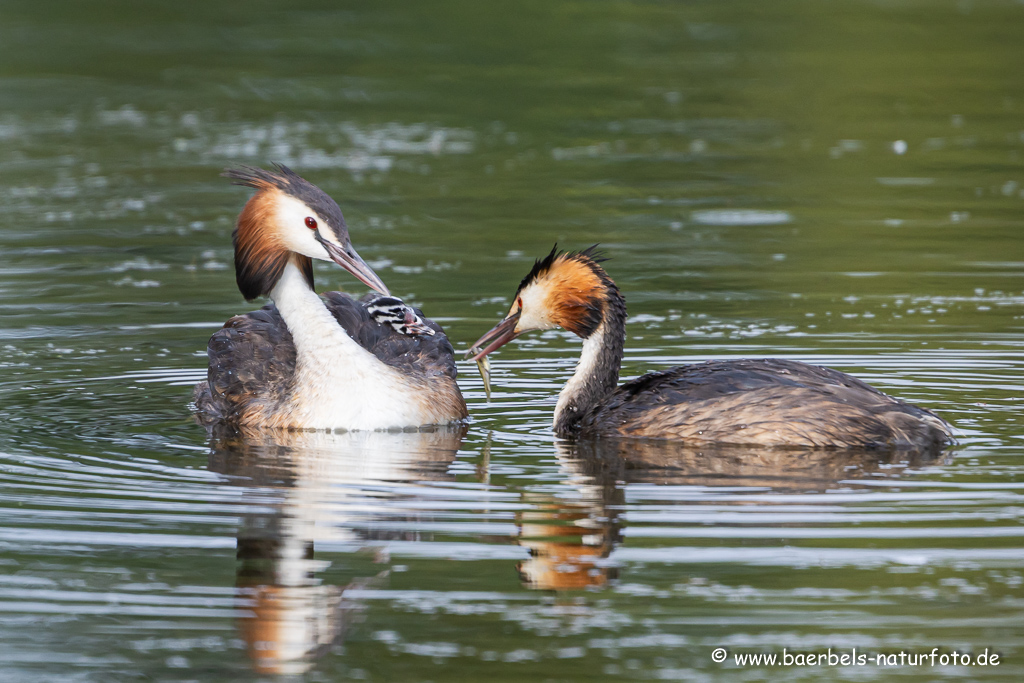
763	401
422	355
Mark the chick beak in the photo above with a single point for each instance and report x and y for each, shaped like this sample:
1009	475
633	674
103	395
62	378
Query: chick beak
501	334
347	258
416	326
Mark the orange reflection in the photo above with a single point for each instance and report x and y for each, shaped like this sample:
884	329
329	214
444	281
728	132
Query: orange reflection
570	541
566	543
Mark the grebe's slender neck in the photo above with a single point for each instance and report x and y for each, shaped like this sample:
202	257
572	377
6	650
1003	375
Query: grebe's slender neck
304	313
597	372
327	358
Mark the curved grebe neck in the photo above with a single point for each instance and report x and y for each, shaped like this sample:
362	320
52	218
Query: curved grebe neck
597	372
312	326
337	382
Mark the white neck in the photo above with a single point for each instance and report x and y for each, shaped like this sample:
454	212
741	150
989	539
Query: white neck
584	369
338	383
595	377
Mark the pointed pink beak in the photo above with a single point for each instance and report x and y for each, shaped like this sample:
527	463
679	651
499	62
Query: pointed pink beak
351	261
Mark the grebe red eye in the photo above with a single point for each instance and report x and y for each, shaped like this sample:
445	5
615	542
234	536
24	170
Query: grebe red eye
310	222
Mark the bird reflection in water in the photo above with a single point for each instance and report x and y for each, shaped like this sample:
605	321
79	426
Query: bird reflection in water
571	541
568	538
304	488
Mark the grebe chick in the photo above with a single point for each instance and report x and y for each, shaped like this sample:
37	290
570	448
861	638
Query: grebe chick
403	319
770	402
303	362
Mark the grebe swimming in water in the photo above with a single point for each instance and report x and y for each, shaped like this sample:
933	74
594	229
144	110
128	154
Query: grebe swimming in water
304	362
770	402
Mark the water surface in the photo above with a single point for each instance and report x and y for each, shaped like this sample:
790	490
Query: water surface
839	184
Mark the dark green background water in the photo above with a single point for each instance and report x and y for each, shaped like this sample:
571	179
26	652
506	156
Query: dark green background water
837	182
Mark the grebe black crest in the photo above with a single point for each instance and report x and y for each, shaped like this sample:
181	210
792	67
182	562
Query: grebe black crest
303	362
769	402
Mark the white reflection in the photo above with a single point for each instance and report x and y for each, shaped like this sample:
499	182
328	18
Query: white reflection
305	487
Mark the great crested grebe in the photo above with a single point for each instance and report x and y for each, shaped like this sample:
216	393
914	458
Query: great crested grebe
770	402
304	362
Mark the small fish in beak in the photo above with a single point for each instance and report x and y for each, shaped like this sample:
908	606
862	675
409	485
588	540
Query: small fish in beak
483	364
501	334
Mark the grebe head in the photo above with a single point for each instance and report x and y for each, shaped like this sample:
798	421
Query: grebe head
389	310
289	215
567	290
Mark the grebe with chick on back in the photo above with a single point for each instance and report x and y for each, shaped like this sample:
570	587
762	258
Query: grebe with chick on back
765	402
303	362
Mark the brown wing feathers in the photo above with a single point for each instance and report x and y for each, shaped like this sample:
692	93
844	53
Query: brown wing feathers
770	402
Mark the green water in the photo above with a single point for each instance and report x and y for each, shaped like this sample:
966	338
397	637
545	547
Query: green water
839	183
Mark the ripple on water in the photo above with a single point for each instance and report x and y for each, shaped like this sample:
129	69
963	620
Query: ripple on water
262	537
739	217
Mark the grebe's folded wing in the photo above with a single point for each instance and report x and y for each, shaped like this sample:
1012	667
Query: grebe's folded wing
715	379
772	402
252	356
